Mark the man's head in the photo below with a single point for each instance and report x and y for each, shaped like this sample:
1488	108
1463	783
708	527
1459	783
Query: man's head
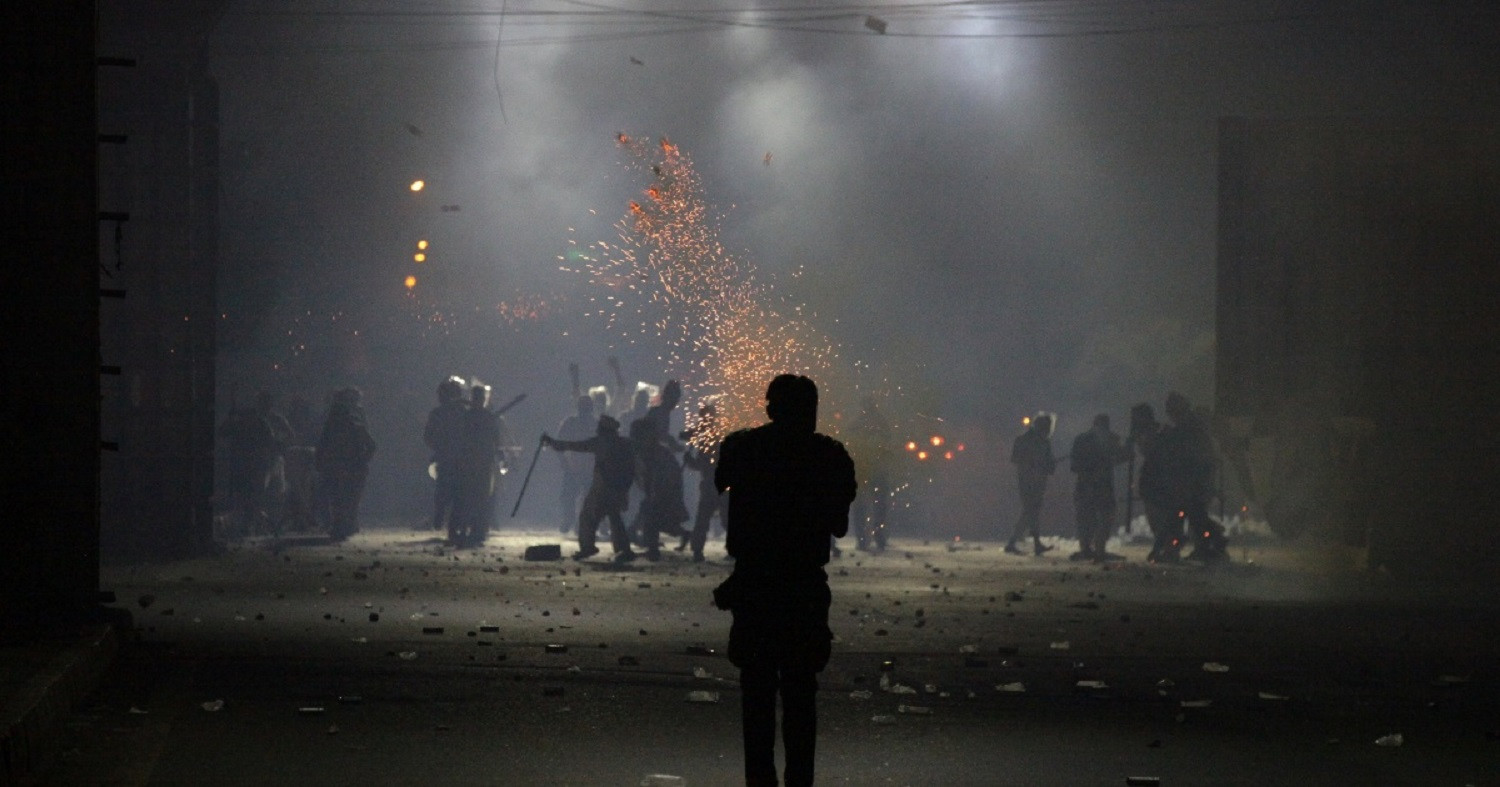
479	395
1101	422
1041	423
450	390
608	425
1178	407
793	399
348	397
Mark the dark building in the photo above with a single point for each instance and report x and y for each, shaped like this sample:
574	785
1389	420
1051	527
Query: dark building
1358	271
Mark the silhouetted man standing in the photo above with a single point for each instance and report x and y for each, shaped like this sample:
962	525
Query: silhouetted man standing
1031	453
789	493
1094	456
343	462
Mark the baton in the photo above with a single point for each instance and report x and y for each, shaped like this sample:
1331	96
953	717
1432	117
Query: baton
522	494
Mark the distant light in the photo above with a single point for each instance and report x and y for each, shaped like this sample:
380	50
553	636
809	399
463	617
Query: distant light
921	456
1026	421
411	281
418	185
422	244
419	257
936	441
960	446
947	454
911	445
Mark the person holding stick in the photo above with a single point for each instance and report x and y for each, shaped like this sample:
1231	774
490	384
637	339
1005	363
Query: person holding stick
614	470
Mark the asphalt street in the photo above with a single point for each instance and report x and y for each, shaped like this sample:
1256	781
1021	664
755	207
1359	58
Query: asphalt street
392	659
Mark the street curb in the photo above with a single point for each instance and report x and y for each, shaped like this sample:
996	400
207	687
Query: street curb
30	717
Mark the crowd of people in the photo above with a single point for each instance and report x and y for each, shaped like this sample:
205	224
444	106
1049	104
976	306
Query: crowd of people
1175	483
617	456
275	481
641	469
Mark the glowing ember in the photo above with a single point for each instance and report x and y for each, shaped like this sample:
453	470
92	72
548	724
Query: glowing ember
669	277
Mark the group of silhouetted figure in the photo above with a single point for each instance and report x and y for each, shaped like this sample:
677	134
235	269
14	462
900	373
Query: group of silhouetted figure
274	481
1175	483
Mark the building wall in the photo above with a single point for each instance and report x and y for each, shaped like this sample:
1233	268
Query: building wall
1359	271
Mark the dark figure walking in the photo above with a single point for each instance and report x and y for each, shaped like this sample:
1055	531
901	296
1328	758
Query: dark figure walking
343	461
576	467
710	500
444	435
660	478
1153	485
1093	458
1031	453
478	471
789	493
255	441
1190	461
614	469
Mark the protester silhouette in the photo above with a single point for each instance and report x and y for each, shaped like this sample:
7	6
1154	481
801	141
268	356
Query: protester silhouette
789	493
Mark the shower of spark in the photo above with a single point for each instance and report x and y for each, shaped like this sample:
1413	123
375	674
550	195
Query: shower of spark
724	330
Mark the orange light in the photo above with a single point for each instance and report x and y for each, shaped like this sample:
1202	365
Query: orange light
1181	514
422	244
922	456
947	454
1026	421
960	446
418	185
419	257
936	441
911	445
411	281
622	139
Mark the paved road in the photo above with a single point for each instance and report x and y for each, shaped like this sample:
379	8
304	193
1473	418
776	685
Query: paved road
391	660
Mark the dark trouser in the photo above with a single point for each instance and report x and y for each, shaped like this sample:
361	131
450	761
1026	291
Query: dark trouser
595	510
573	485
1166	527
760	683
1031	517
1206	534
780	640
709	504
1094	505
444	495
344	489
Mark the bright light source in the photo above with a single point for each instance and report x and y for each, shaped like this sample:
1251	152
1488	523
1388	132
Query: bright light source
1026	421
422	244
418	185
921	456
911	445
947	454
411	281
936	441
419	257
